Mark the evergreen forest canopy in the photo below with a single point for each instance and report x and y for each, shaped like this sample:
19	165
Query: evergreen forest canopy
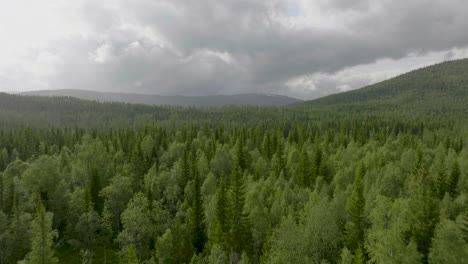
177	100
377	175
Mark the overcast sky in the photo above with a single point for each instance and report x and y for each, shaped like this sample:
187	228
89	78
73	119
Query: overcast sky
305	49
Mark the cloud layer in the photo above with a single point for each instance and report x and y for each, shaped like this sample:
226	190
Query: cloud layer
299	48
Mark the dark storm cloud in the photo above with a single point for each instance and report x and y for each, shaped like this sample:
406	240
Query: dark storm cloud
208	47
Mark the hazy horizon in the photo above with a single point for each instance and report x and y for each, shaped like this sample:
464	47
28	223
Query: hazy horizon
296	48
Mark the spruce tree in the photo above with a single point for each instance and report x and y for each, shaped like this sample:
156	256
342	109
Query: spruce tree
94	189
185	169
139	165
453	180
240	233
281	159
242	158
42	239
221	221
198	216
304	171
424	209
441	180
356	225
317	164
359	256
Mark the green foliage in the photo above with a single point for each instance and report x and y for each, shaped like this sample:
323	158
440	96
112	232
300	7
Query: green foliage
42	239
356	226
221	225
240	236
116	196
387	238
137	226
452	184
448	245
423	209
198	216
240	184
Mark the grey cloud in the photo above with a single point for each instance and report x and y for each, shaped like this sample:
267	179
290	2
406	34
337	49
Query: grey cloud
209	47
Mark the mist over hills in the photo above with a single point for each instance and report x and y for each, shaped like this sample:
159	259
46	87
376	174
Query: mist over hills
438	92
177	100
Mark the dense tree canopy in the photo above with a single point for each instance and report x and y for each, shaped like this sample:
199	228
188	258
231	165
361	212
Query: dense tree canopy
83	182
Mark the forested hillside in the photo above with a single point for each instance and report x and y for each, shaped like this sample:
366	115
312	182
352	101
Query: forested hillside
192	101
441	88
88	182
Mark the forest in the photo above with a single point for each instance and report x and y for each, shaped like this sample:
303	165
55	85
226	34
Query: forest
356	191
89	182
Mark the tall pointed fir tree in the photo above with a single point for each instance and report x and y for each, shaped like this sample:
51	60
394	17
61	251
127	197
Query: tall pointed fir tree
240	233
441	180
242	158
185	169
423	206
139	165
221	221
355	227
198	216
42	239
304	171
281	158
452	185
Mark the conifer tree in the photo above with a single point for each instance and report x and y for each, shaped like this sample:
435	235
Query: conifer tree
221	221
130	257
139	165
424	209
198	215
94	189
359	257
242	158
240	233
317	164
441	180
355	227
281	159
304	171
185	169
453	180
42	239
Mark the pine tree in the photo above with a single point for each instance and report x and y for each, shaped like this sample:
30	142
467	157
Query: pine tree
356	225
42	239
94	189
424	209
198	216
453	180
317	164
281	159
185	169
140	166
266	146
242	158
240	233
441	180
359	256
221	221
130	256
304	171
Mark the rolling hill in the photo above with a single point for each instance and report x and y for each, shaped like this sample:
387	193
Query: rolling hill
435	94
440	88
150	99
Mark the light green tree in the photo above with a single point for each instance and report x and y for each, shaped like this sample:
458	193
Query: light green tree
448	245
116	196
356	225
138	228
42	241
